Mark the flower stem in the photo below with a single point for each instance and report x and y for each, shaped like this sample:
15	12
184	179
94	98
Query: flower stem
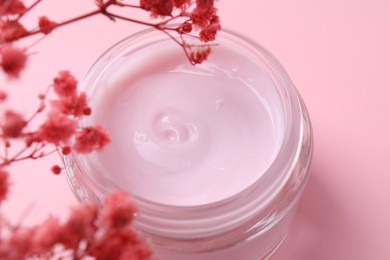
29	8
131	20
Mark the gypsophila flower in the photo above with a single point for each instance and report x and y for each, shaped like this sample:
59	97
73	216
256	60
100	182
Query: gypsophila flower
45	25
157	7
12	124
10	7
13	60
3	95
56	169
118	210
82	235
199	54
203	13
65	84
210	31
66	150
90	139
185	27
31	138
139	251
125	244
119	240
75	105
80	225
4	183
57	129
11	31
181	3
18	244
46	235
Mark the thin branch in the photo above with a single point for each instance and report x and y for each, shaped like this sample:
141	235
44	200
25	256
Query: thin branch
13	158
29	8
75	19
131	20
32	154
180	44
41	104
163	23
5	149
128	5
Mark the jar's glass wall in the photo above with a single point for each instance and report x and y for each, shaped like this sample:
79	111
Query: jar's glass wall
249	223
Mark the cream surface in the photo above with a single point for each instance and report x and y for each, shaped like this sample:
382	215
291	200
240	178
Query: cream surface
186	135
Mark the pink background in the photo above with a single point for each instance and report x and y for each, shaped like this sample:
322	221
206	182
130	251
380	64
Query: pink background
337	52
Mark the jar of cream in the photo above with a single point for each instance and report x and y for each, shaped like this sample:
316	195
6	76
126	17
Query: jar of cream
215	155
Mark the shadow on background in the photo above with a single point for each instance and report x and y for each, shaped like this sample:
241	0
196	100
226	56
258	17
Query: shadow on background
321	229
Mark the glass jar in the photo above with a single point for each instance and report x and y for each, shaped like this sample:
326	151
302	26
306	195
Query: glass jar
176	117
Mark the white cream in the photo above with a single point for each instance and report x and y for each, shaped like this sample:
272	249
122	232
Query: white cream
186	135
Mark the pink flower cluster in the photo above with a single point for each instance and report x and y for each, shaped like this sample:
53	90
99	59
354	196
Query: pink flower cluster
199	15
60	127
87	232
12	60
203	16
191	15
10	7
